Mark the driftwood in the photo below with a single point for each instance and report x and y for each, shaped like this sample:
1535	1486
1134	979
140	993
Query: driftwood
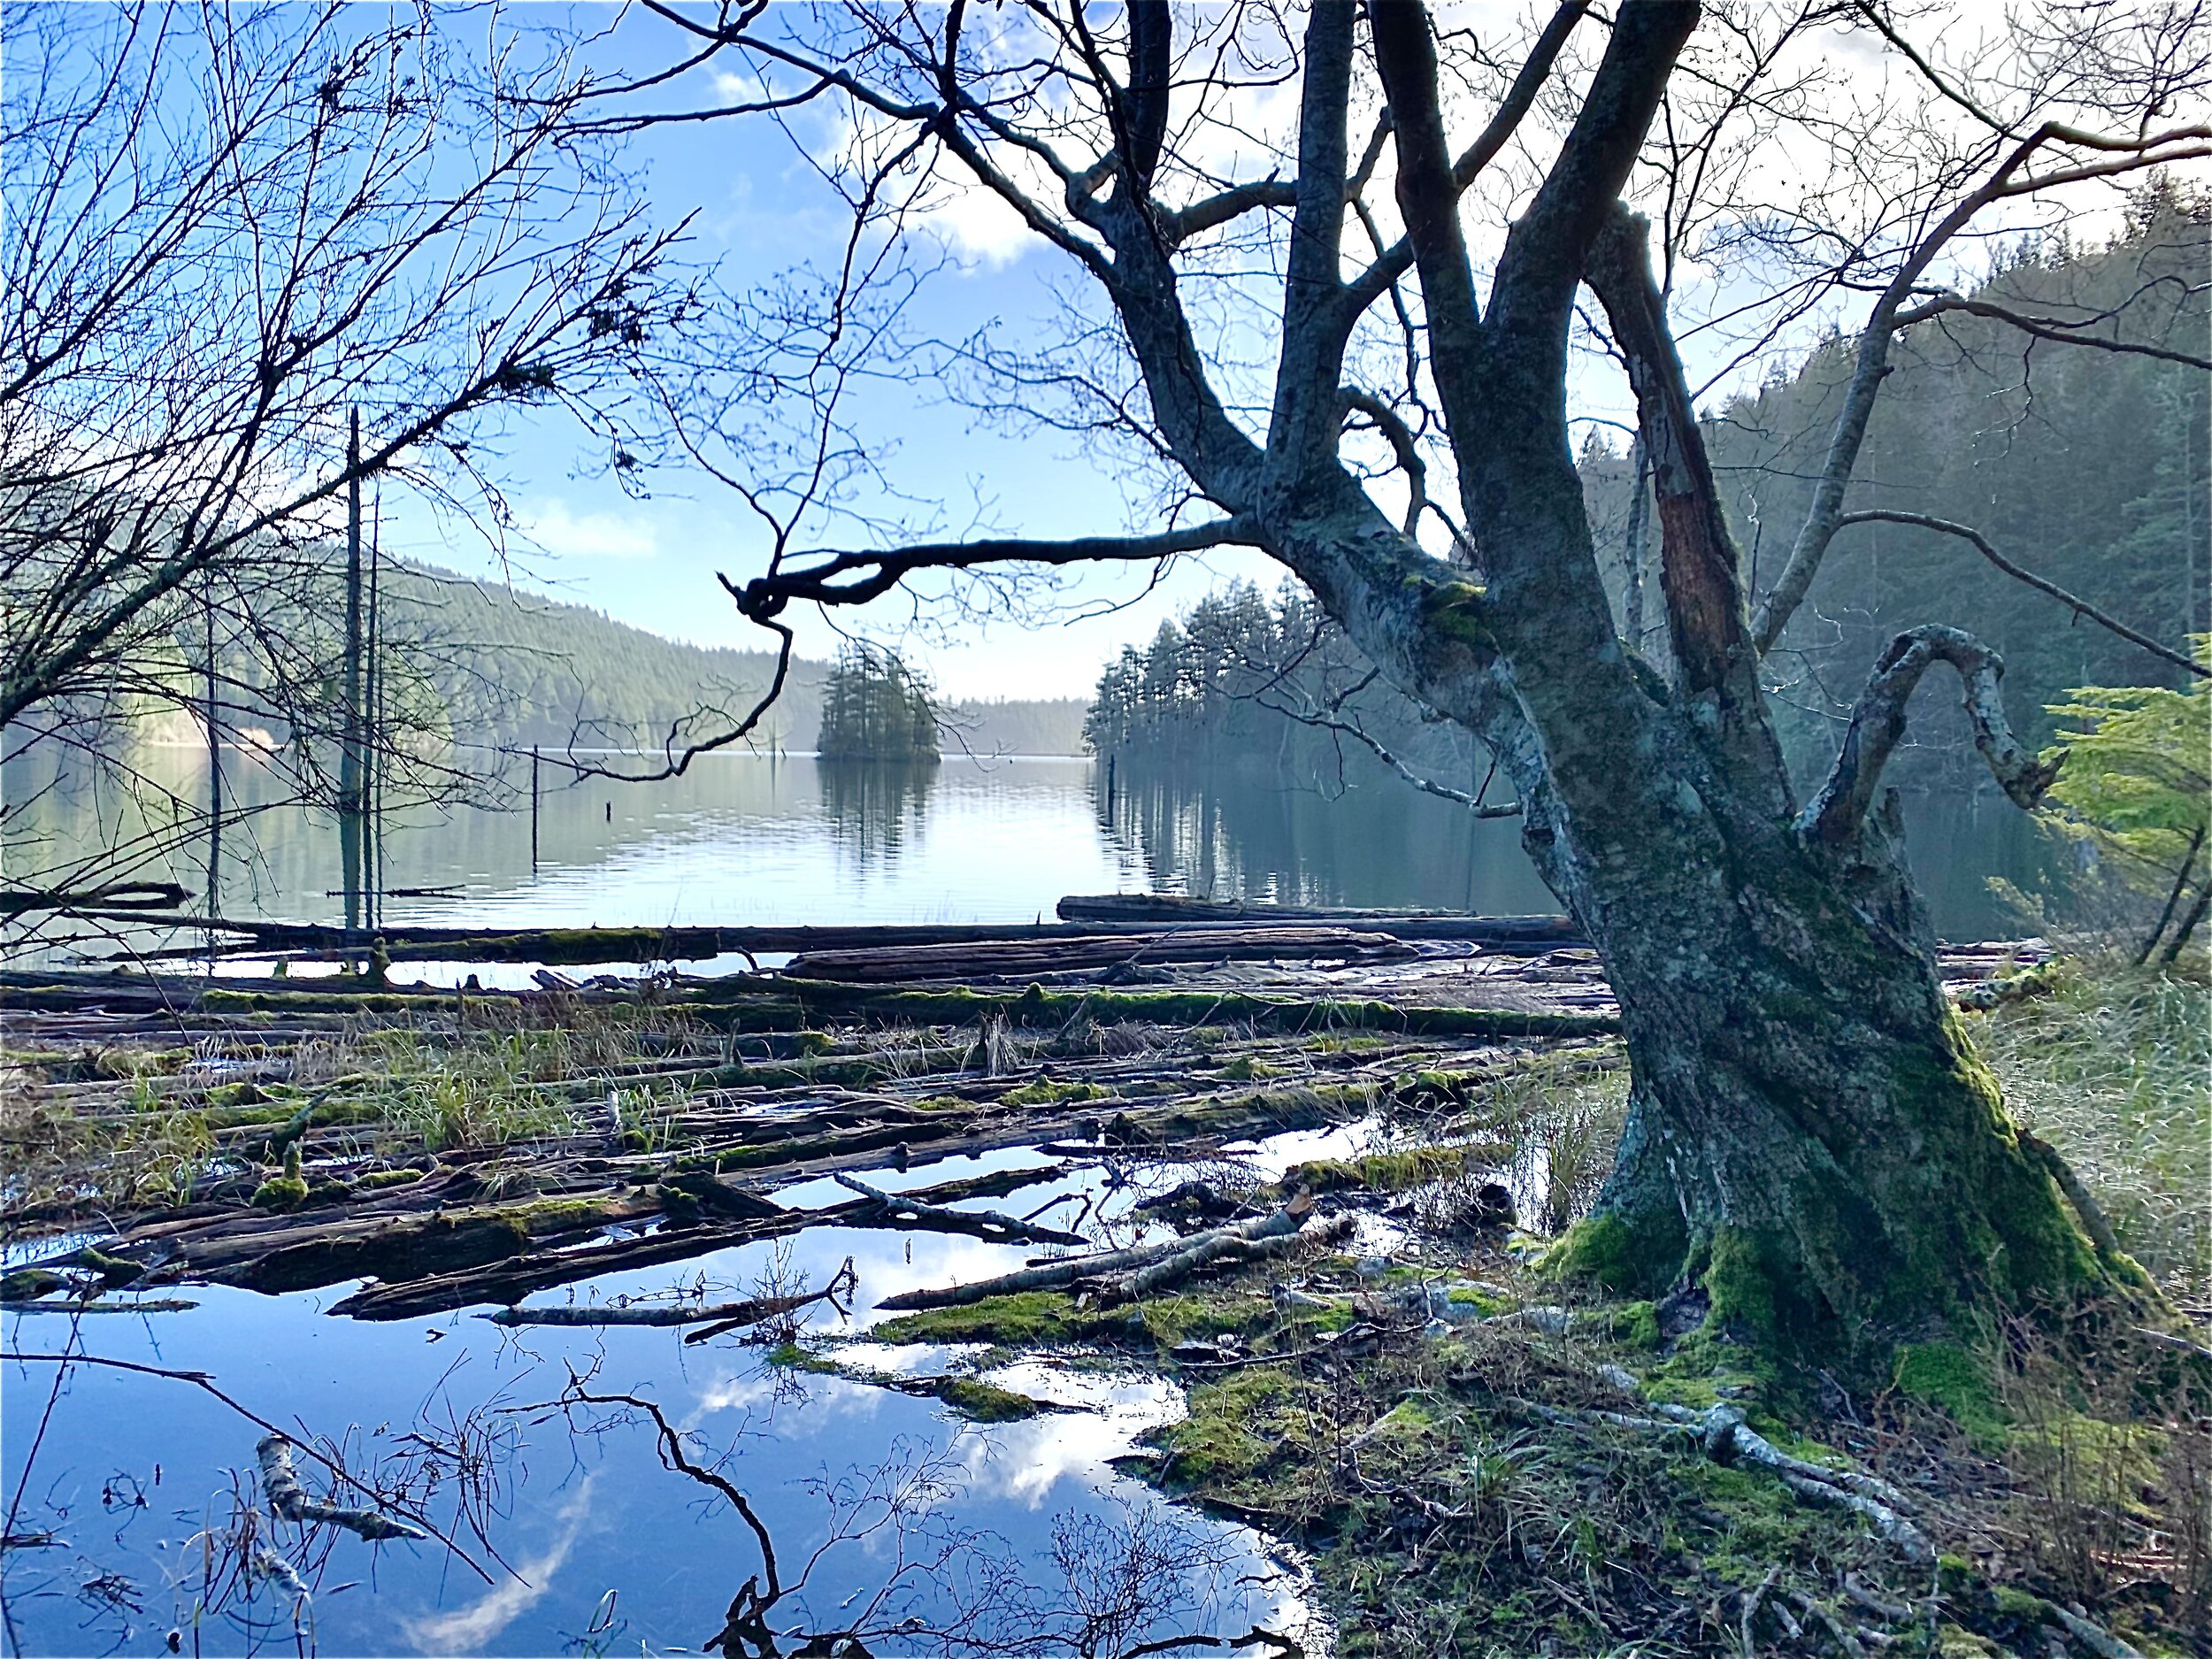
844	1282
1139	909
509	1281
720	1317
1207	1249
1023	959
1053	1275
129	897
280	1482
902	1209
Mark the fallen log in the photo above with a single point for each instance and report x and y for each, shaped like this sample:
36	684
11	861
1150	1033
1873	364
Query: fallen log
509	1281
719	1317
585	947
1139	909
1207	1250
1053	1275
767	1307
1025	958
982	1224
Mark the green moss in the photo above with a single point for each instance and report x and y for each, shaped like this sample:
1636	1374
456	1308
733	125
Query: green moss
1044	1092
1481	1300
1245	1068
377	1181
288	1191
1456	610
1605	1249
985	1403
1636	1324
1740	1281
1219	1445
791	1357
1953	1642
1379	1172
28	1284
1173	1319
281	1192
1030	1319
2016	1604
1945	1375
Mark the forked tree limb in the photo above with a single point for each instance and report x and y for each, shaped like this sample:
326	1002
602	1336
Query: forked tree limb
1699	567
1878	722
853	578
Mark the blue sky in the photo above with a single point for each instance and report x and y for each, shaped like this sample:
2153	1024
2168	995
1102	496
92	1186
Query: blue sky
758	210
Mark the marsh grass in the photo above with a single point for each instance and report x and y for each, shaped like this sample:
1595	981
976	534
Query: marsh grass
2113	1067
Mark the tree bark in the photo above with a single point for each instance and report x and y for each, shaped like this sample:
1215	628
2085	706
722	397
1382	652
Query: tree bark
1811	1137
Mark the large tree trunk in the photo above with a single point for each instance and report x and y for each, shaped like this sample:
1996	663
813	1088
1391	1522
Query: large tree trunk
1811	1140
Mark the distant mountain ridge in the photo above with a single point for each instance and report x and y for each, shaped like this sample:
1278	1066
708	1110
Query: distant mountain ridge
515	668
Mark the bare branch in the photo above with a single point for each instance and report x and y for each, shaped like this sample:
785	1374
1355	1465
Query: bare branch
1878	722
2061	330
2080	607
764	597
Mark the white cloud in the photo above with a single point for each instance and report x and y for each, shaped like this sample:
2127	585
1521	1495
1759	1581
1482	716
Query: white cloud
590	535
468	1629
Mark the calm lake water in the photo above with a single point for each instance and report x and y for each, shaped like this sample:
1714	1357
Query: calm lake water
605	1549
746	839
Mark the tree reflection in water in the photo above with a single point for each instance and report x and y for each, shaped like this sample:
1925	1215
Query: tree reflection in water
867	803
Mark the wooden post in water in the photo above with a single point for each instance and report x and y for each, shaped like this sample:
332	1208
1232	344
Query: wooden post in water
533	809
373	723
350	748
214	767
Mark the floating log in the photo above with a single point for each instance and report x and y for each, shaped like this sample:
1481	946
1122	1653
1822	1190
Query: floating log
724	1316
1155	909
1224	1244
1026	959
1136	915
129	897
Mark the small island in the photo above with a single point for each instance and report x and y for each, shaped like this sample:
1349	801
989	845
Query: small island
876	708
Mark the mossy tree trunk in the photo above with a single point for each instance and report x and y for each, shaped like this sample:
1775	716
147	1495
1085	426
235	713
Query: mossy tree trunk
1811	1140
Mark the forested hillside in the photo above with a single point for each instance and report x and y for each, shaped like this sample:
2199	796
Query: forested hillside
2092	469
515	668
1006	725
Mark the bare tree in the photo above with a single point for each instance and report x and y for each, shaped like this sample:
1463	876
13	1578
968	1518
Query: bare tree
1811	1144
232	233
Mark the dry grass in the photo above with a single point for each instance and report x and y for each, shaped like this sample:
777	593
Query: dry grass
2114	1068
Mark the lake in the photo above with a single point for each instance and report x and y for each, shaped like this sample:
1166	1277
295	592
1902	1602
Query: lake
1003	1536
749	839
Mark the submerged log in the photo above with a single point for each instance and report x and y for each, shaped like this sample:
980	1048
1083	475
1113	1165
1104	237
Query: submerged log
280	1482
1023	959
